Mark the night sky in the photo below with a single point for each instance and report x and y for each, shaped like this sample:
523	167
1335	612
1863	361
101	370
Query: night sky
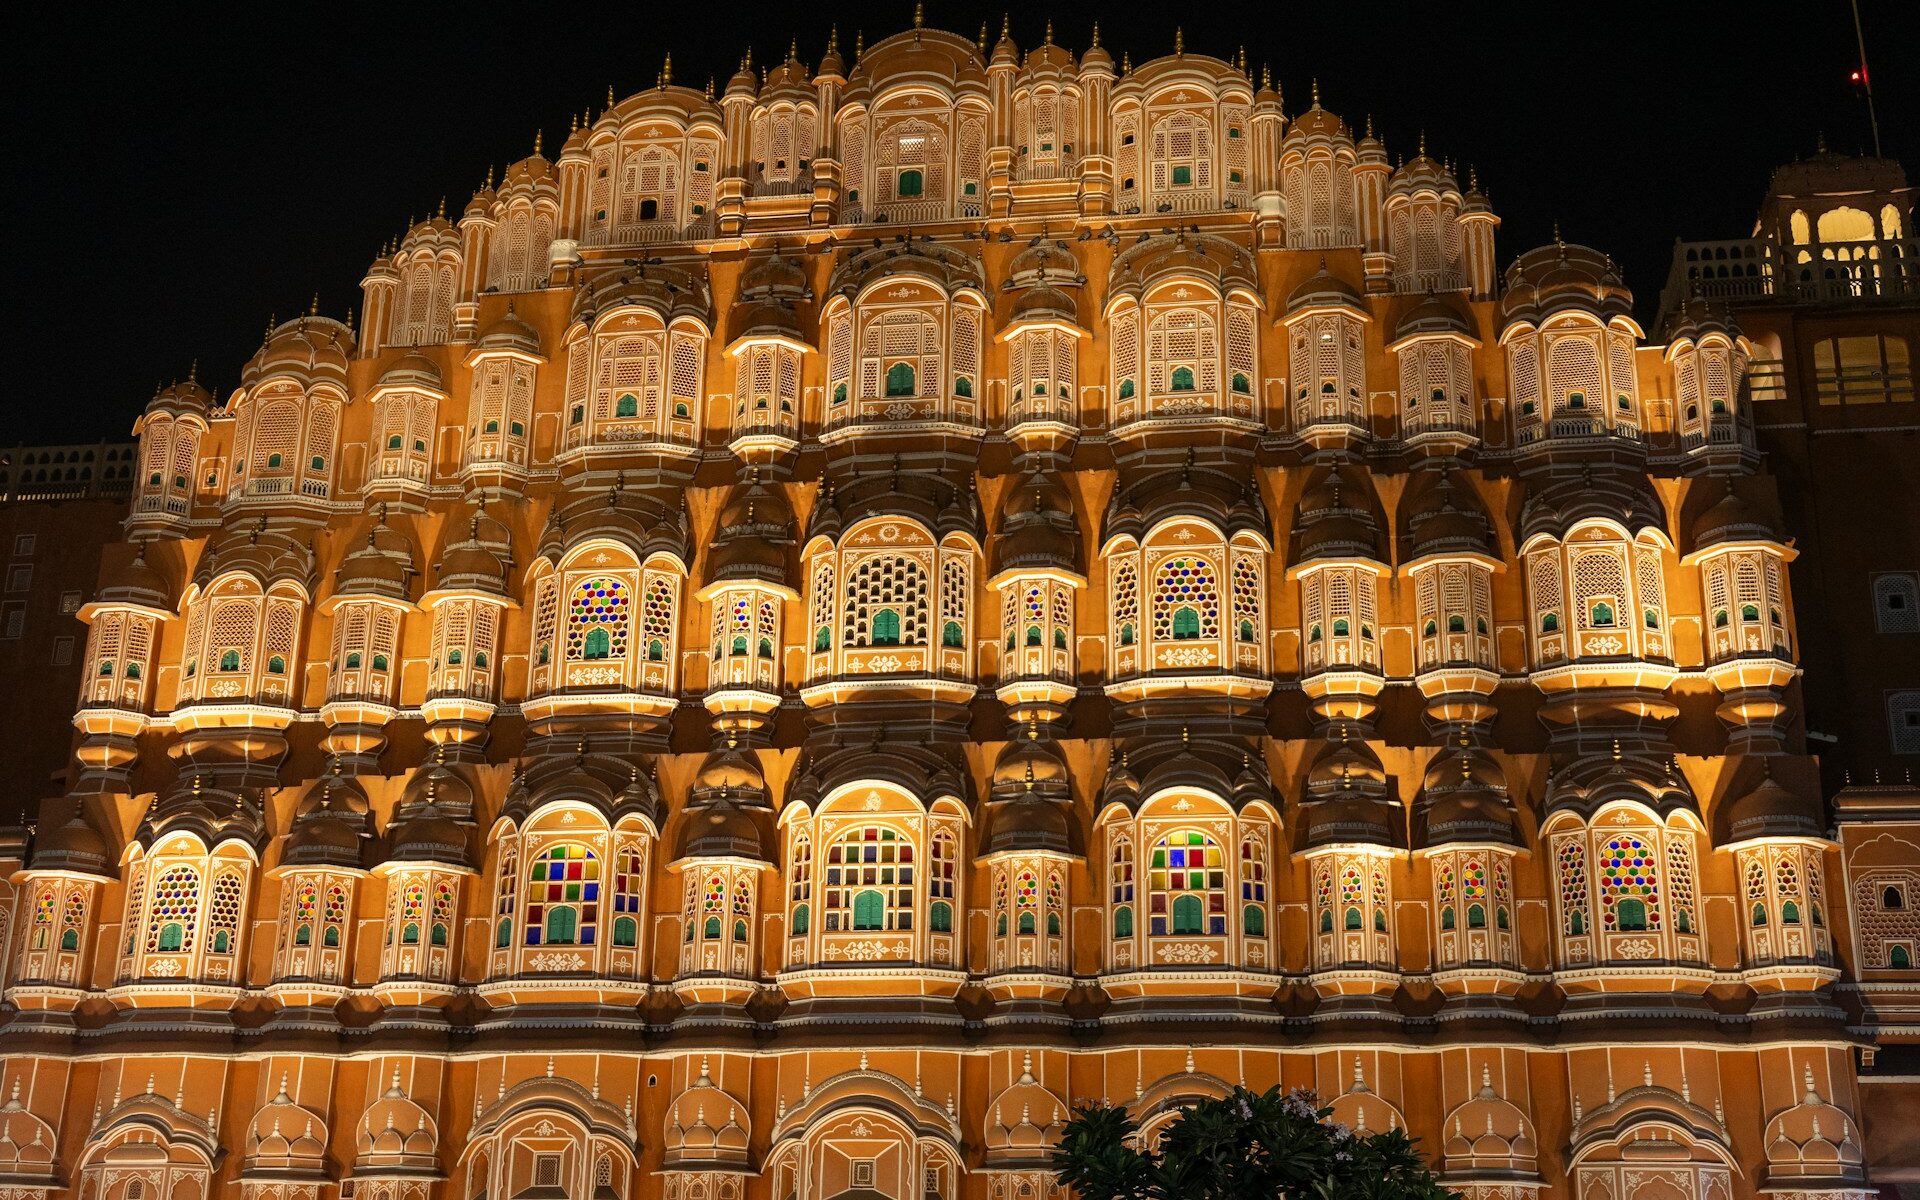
176	181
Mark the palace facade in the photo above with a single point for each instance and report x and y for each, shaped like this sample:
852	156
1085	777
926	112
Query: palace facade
818	628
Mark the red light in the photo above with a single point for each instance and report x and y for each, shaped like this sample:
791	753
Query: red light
1855	77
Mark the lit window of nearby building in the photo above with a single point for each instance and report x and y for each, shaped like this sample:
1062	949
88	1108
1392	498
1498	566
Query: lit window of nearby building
70	602
1874	369
1896	602
1903	721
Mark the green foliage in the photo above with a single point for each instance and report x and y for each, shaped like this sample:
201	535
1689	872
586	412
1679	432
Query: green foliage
1245	1146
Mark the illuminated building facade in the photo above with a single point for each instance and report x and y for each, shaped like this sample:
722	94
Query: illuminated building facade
820	627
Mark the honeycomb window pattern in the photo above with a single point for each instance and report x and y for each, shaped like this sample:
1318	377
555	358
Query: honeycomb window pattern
1629	885
598	619
1186	600
174	911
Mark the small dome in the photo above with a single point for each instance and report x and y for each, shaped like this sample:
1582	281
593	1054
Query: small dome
775	274
1447	519
480	560
1317	122
1037	527
413	370
137	582
1334	519
184	397
1324	289
1465	799
285	1136
1770	809
706	1125
1731	519
1044	303
308	348
1024	1121
396	1132
380	567
765	319
509	332
1433	315
1489	1133
1423	174
74	845
755	535
1562	276
1044	260
726	828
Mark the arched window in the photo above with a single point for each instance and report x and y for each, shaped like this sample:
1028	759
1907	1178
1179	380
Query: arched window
563	897
1187	865
951	634
1182	379
1899	959
869	877
627	406
900	379
1254	920
1186	622
886	628
598	644
911	183
1892	899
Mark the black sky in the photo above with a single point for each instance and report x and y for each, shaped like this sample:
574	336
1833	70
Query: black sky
178	178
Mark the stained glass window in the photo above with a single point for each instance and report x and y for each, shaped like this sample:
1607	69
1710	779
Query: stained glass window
1628	877
875	863
1187	865
563	897
175	910
1186	600
597	620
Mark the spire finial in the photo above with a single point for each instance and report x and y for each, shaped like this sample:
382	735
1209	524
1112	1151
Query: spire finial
1048	39
1096	33
537	135
609	99
666	71
1316	92
1266	77
1179	40
313	308
1423	143
919	14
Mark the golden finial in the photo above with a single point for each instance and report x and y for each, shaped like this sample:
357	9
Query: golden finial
1179	40
709	87
1048	40
441	212
349	320
919	14
1369	125
1243	60
270	323
1266	77
313	309
193	372
1423	143
859	44
1126	62
1096	33
833	38
609	96
793	50
536	141
1006	27
666	71
573	127
983	37
490	170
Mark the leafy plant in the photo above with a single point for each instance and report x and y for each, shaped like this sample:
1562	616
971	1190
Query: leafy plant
1244	1146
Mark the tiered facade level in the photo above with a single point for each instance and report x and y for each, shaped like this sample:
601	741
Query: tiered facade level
818	629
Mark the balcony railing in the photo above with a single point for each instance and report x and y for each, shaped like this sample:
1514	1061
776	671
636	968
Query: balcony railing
1750	269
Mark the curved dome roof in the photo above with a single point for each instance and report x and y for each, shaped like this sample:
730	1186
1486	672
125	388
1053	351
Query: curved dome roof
1731	518
1037	527
1445	517
1433	315
310	349
1324	289
509	332
1158	257
1563	277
